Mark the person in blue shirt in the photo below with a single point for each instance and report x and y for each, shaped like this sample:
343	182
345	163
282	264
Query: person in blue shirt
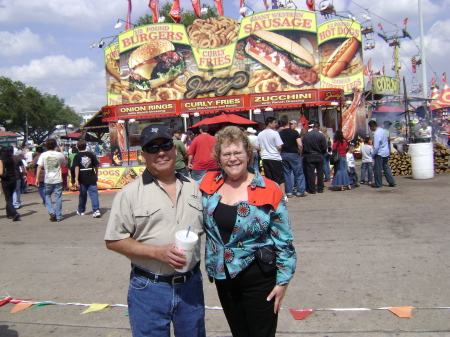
381	155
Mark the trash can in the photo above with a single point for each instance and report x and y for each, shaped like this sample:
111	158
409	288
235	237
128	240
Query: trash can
422	160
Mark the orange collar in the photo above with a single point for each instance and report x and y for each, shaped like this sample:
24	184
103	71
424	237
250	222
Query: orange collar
261	191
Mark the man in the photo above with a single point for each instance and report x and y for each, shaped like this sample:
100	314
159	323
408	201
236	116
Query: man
314	148
19	170
270	143
381	155
29	156
386	126
424	133
180	165
253	138
291	152
145	216
294	126
52	162
199	154
86	174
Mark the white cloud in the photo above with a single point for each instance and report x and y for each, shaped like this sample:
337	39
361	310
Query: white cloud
19	43
51	68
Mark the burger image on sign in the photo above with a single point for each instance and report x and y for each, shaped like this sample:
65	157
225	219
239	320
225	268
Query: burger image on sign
285	57
154	64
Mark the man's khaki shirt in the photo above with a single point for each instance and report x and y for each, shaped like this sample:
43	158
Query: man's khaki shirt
143	211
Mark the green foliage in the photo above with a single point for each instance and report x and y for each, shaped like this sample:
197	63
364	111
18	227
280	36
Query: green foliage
23	108
187	16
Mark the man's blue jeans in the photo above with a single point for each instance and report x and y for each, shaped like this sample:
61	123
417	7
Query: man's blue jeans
366	167
153	305
41	190
197	175
293	173
57	190
82	199
16	196
382	164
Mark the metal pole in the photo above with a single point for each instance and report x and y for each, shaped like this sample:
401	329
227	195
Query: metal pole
128	139
422	53
396	65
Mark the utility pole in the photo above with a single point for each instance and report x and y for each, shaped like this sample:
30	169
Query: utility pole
422	53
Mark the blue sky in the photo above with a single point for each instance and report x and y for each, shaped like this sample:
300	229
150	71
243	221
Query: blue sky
45	44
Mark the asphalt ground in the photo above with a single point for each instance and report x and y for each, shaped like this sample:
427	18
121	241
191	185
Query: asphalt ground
364	248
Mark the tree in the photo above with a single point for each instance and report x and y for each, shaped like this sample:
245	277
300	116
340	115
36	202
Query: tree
30	113
187	16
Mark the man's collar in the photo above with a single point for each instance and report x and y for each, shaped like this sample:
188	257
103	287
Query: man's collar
148	178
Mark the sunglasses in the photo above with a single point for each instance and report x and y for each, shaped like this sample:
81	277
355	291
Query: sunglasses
156	148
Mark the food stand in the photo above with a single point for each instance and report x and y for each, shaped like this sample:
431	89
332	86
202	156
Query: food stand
275	63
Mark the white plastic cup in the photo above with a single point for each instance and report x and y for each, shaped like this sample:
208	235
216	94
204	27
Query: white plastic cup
187	245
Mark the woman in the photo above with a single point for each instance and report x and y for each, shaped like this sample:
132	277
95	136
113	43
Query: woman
326	156
244	212
340	177
8	177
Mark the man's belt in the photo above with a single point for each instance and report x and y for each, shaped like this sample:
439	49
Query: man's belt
172	279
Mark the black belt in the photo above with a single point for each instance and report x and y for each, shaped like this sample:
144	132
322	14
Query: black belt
172	279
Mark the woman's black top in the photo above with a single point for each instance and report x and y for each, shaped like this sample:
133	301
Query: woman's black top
225	217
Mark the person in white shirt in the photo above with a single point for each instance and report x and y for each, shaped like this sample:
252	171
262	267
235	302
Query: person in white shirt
367	162
424	133
269	141
251	134
351	166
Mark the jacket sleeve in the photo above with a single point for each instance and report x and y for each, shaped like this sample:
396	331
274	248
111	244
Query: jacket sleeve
281	233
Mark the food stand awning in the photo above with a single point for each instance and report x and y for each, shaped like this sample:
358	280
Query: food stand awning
224	119
443	101
78	135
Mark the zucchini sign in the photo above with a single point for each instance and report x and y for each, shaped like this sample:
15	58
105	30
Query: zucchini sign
385	85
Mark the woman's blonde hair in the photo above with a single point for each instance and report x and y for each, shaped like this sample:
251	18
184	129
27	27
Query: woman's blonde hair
232	135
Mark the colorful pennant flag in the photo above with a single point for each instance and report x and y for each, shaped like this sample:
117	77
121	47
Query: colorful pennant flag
219	6
21	306
154	7
405	22
310	4
383	70
413	63
433	82
301	314
380	26
196	6
175	11
128	24
444	78
402	312
95	307
242	5
5	300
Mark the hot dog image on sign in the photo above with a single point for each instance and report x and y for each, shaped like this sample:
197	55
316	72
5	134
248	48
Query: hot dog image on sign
341	62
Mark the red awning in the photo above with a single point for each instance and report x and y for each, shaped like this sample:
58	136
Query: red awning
225	118
389	108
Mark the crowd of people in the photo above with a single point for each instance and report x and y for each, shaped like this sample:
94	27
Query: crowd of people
50	164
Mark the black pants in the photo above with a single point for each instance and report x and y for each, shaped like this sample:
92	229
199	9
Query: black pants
9	187
314	162
244	302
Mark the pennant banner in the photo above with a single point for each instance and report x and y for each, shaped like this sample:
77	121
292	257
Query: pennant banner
154	7
175	11
266	4
128	25
444	78
310	4
380	26
402	312
196	6
405	22
241	5
219	6
21	306
95	307
301	314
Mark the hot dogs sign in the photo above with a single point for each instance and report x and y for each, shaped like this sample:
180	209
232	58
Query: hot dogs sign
279	50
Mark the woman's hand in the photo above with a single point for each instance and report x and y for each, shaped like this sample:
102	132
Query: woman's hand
278	292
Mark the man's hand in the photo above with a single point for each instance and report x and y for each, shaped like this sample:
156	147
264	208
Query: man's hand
169	255
277	292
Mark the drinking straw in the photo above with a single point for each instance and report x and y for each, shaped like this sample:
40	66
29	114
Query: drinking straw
189	229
